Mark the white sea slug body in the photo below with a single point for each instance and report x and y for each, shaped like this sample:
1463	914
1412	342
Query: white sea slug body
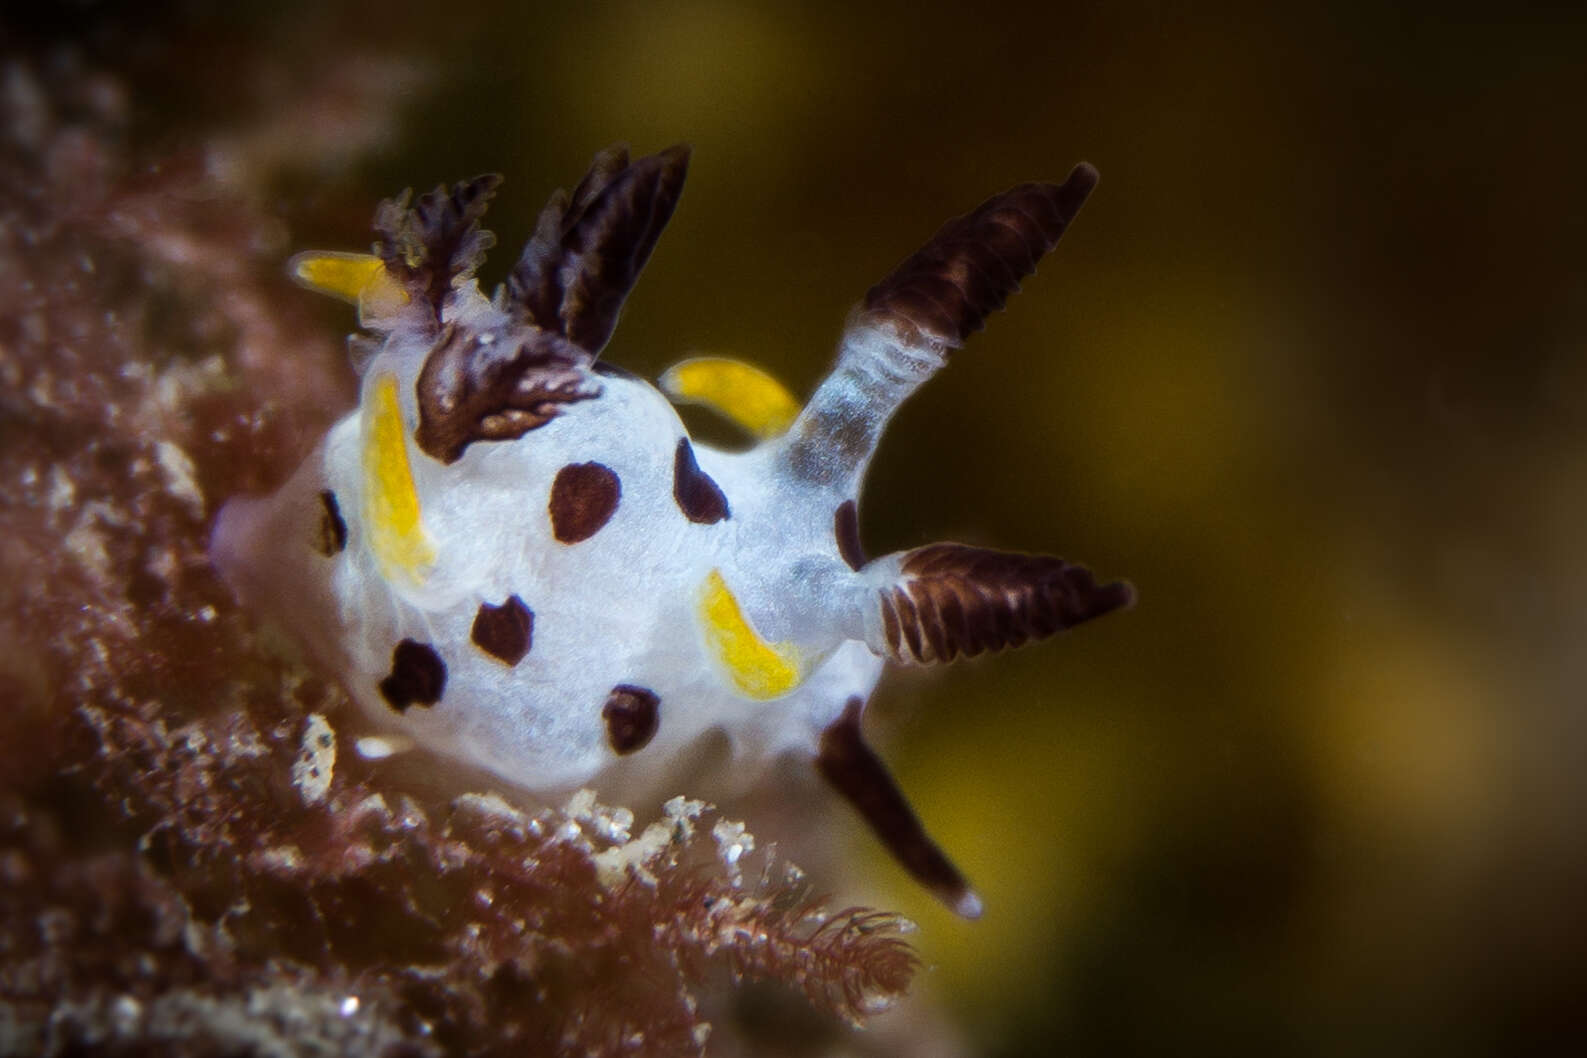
516	555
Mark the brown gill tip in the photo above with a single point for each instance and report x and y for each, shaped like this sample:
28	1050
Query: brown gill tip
1081	181
944	291
677	155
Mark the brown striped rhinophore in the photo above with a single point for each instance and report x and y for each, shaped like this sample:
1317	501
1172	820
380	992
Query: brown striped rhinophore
945	290
951	600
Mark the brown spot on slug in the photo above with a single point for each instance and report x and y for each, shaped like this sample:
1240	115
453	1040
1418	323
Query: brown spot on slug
505	632
583	498
418	676
698	497
631	715
332	537
846	527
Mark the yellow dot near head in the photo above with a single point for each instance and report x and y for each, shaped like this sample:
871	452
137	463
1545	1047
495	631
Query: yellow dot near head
758	669
392	517
360	278
739	392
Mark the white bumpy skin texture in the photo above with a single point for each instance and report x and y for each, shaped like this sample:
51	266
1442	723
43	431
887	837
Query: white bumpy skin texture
515	555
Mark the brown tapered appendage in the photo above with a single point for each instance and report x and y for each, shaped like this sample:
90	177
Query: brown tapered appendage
946	289
857	773
588	248
429	245
952	600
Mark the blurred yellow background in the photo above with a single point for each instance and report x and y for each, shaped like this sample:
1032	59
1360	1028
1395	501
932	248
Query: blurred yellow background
1309	370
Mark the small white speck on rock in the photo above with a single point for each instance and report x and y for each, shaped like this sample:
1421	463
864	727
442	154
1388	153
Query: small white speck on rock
179	475
63	490
126	1012
379	747
733	843
311	772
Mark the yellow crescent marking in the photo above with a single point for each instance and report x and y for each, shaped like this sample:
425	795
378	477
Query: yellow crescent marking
391	503
759	669
737	391
356	277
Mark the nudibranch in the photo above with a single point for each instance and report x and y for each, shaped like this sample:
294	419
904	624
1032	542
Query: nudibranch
516	555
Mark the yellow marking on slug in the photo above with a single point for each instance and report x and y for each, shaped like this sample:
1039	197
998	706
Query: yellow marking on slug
739	392
759	669
391	503
356	277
